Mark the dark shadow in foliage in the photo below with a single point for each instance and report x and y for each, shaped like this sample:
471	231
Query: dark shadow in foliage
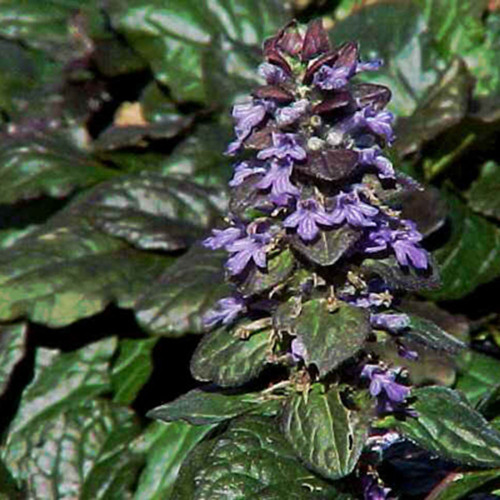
411	471
25	213
113	321
125	88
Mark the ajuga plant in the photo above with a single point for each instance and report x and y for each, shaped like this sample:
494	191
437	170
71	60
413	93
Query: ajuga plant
309	355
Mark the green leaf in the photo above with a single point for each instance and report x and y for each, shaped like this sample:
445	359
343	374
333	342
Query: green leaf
470	257
228	360
330	245
279	268
9	236
402	278
326	435
426	208
8	488
428	333
132	368
61	381
459	485
250	460
484	192
200	155
115	467
166	447
127	136
396	32
46	165
200	51
443	106
80	452
211	406
64	441
175	303
66	270
12	349
49	26
448	426
479	377
156	106
153	212
24	74
458	28
331	337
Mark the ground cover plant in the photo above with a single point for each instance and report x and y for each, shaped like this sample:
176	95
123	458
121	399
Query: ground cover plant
249	249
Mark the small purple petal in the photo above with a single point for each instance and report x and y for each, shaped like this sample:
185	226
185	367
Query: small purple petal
308	215
225	311
271	73
349	208
244	250
284	145
242	171
372	490
402	241
373	65
384	380
299	351
290	114
406	353
375	386
222	237
332	78
278	179
392	322
373	156
236	263
396	392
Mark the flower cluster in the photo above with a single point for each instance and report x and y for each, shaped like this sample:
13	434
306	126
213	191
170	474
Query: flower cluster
314	179
313	135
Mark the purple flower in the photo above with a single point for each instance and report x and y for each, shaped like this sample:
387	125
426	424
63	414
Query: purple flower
406	353
373	156
244	250
373	300
243	170
351	209
403	242
278	179
222	237
337	76
383	441
308	215
332	77
372	490
392	322
299	351
225	311
379	122
247	116
271	73
284	145
373	65
290	114
383	382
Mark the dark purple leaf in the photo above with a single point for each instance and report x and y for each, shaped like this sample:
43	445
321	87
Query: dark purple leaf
329	246
348	54
315	41
330	164
376	96
339	100
273	92
328	59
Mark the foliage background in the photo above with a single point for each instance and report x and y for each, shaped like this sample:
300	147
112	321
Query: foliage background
113	118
